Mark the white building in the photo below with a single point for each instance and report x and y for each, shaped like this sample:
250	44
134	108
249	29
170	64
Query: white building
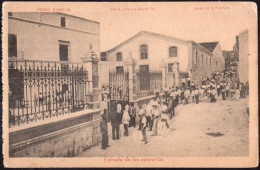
155	52
49	41
50	36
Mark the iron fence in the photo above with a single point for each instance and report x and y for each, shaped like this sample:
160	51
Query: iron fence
40	90
119	86
144	94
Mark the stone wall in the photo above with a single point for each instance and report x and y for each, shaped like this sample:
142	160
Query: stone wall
67	138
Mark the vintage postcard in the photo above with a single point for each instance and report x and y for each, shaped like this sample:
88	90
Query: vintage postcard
130	84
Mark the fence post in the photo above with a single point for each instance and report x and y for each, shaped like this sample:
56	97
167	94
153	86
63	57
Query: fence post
164	76
176	73
130	65
90	63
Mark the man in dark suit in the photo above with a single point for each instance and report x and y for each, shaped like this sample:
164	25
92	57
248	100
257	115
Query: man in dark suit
103	130
132	115
115	122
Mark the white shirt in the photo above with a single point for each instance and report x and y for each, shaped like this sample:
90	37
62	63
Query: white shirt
144	120
173	94
155	112
164	108
227	87
179	92
148	110
141	111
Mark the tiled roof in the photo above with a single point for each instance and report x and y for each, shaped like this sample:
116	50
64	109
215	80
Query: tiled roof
209	45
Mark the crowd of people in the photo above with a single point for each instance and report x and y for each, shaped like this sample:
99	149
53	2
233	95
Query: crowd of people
155	115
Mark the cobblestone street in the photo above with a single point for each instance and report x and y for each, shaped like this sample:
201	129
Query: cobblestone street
204	129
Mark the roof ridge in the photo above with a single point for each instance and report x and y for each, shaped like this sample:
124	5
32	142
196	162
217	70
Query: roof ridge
157	34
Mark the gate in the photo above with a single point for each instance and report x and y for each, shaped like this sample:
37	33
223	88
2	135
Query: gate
119	90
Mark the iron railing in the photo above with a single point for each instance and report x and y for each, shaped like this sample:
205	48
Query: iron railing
144	94
119	86
40	90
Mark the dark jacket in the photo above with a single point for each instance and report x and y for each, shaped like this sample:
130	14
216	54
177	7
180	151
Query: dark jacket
103	125
170	104
115	118
133	114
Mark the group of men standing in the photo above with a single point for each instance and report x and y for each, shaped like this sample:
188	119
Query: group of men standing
125	117
155	115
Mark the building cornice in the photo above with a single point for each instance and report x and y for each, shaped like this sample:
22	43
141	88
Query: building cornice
204	49
84	19
49	25
156	35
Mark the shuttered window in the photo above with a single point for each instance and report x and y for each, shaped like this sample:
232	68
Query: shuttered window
173	52
144	51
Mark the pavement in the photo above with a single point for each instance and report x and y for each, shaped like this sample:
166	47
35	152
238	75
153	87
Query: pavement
204	129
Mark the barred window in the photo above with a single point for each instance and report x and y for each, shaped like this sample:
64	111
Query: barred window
119	56
173	52
144	51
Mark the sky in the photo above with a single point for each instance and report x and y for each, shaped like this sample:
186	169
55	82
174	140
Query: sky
211	22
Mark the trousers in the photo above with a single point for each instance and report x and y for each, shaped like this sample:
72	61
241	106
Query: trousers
104	140
126	129
144	134
115	132
155	126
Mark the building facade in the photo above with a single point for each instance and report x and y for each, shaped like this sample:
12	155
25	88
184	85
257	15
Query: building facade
177	60
46	53
50	36
243	53
53	71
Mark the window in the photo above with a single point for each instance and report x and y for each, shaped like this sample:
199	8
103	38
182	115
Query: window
119	56
63	22
10	14
120	70
170	67
144	51
64	50
173	52
103	56
206	61
12	45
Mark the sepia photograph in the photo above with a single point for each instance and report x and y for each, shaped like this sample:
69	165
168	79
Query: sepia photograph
127	84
